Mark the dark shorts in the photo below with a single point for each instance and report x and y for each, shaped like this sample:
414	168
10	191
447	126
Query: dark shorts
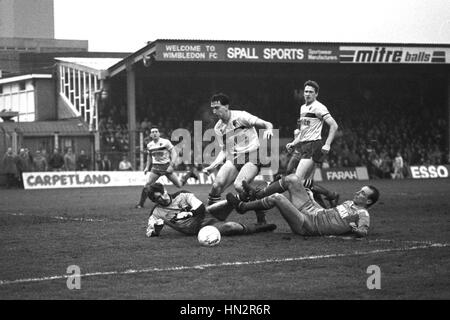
160	169
312	150
209	220
253	157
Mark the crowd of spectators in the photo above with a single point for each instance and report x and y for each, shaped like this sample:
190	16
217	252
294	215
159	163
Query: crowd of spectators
14	164
385	130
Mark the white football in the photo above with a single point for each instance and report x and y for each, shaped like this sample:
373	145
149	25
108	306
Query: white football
209	236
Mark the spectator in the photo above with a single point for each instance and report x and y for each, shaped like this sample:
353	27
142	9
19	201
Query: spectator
29	160
145	124
125	164
398	167
70	160
21	161
56	161
83	161
9	168
39	162
104	164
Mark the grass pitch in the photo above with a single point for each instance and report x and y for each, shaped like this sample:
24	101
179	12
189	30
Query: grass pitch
42	232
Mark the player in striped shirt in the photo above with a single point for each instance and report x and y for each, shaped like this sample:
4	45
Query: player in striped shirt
239	143
161	157
184	212
306	217
311	150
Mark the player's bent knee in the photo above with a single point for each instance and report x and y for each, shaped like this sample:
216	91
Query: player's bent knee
277	197
217	186
238	187
292	179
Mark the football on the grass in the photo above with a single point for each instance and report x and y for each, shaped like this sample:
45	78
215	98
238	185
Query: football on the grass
209	236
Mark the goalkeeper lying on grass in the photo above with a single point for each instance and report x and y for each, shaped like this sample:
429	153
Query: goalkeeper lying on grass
184	212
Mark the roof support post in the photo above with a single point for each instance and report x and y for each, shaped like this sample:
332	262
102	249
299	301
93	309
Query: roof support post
448	114
131	108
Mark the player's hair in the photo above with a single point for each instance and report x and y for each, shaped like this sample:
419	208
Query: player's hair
374	196
154	127
313	84
222	98
153	188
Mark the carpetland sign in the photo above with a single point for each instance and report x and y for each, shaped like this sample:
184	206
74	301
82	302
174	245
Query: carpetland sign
429	172
93	179
385	54
96	179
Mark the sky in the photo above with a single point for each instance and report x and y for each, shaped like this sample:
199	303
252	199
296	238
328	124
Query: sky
127	26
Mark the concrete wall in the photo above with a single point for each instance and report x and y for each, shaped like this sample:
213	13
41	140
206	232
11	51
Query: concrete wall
27	19
45	99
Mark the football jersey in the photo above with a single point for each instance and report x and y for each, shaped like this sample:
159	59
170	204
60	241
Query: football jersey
238	135
160	150
337	220
181	201
311	121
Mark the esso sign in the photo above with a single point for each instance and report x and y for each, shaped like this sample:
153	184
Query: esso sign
425	172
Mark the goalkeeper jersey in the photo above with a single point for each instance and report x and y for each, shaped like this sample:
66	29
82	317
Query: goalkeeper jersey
181	201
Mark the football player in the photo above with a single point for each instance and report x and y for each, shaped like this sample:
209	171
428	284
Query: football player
161	158
184	212
306	217
236	133
310	149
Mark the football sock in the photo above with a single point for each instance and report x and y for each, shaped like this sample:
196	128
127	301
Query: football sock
257	205
212	198
235	232
249	229
221	209
308	183
143	197
260	216
278	186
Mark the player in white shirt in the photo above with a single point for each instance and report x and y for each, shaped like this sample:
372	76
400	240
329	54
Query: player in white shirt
161	157
306	217
236	133
184	212
308	142
312	116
